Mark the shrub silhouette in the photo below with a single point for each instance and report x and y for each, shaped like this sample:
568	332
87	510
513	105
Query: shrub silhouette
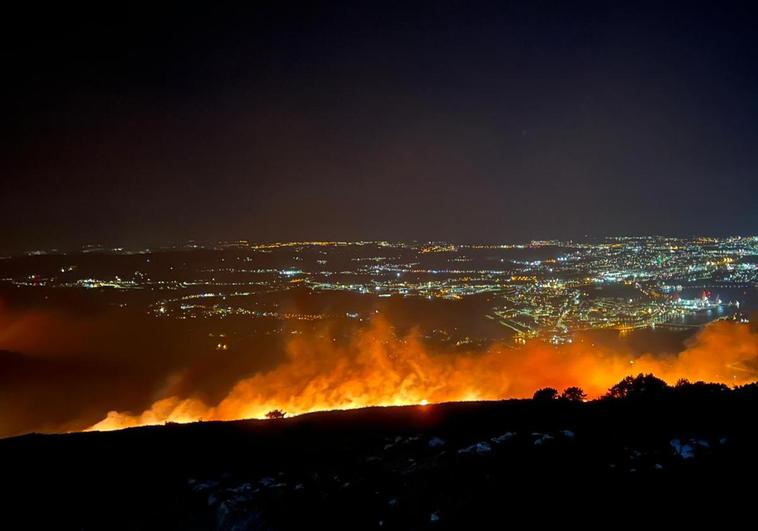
699	390
640	386
275	414
545	394
574	394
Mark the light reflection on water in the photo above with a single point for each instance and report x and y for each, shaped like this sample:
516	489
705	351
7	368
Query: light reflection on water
668	340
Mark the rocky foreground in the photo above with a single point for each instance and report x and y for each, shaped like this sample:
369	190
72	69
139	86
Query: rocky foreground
449	466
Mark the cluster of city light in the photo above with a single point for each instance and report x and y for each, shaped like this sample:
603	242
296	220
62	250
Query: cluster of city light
543	288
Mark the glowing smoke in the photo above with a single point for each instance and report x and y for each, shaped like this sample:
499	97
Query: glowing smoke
377	367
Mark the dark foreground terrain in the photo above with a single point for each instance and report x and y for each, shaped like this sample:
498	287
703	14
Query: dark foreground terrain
673	457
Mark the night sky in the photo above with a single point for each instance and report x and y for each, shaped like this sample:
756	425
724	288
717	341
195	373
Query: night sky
463	121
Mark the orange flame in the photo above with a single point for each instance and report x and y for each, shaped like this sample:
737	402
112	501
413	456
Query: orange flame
378	368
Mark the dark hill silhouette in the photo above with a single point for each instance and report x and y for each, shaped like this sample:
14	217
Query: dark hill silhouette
658	453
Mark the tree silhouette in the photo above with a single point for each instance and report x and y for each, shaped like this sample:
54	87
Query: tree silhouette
642	385
275	414
545	394
574	394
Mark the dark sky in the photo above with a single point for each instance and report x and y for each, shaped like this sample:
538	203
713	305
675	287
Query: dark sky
444	120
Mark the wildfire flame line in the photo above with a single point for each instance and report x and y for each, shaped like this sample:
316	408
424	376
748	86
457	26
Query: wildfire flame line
379	368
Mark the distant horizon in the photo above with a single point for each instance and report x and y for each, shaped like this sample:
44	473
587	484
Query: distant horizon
107	246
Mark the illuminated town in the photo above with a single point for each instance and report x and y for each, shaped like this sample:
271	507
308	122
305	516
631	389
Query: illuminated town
545	290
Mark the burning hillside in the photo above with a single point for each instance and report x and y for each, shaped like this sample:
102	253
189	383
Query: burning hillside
377	367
